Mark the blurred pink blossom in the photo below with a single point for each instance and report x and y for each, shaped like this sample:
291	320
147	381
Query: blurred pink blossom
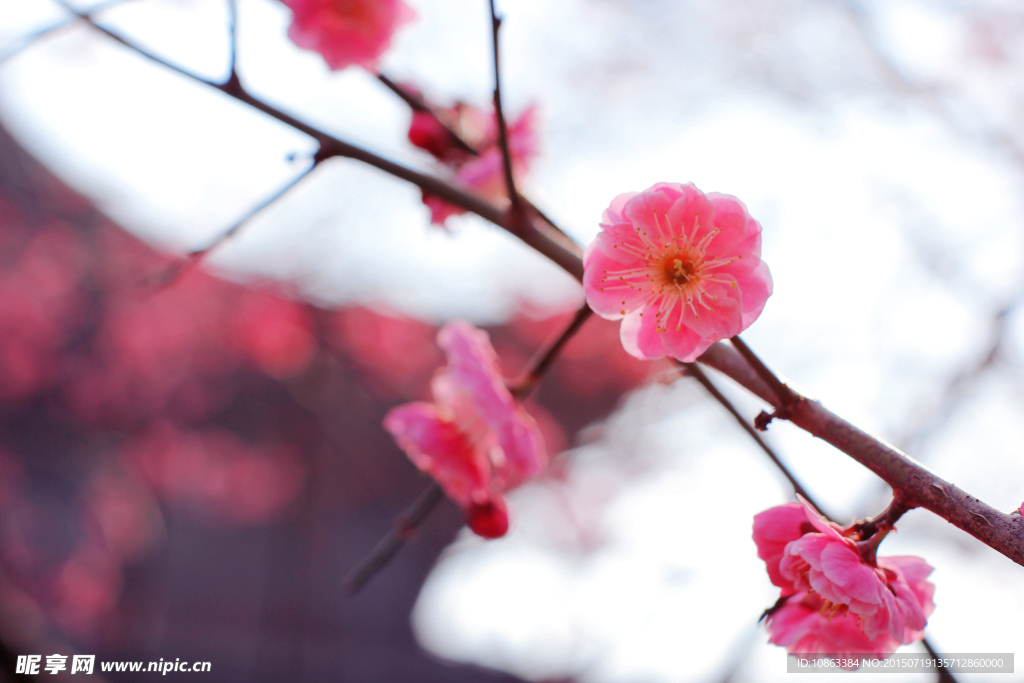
347	32
217	473
681	269
396	352
483	174
275	333
475	439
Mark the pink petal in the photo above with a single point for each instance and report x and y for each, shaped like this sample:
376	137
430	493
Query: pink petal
436	446
773	530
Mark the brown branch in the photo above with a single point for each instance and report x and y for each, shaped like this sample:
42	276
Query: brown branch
330	146
695	371
885	519
405	526
785	395
506	154
912	483
417	104
542	361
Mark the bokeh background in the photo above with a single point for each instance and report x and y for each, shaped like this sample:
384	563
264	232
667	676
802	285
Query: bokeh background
189	466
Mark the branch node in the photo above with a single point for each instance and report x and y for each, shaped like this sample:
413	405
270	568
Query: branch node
980	518
232	86
762	421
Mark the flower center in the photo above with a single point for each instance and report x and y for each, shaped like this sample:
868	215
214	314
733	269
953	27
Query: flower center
681	271
673	274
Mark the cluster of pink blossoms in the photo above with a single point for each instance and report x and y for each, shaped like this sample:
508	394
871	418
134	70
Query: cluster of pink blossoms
475	439
839	598
482	173
681	269
347	32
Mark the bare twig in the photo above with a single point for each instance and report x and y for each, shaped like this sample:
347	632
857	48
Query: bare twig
330	146
913	483
506	154
30	39
233	39
542	361
695	371
177	268
237	225
405	526
944	675
419	105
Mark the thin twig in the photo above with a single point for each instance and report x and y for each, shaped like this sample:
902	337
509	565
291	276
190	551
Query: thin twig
176	269
405	526
698	374
944	675
417	104
506	154
30	40
565	257
237	225
916	484
542	361
913	483
233	38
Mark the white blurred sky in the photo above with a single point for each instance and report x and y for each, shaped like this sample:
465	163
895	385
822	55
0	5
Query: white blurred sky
859	134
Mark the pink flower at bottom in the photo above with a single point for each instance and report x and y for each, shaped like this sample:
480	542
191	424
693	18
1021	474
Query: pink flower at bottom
347	32
681	269
475	439
885	598
805	626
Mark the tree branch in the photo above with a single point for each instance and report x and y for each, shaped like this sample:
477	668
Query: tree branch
330	146
405	526
542	361
695	371
913	484
506	154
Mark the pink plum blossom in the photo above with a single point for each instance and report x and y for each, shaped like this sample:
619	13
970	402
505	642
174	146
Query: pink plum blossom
805	626
886	600
475	439
347	32
681	269
482	174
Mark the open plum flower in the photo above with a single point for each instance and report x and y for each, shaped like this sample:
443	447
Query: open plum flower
475	439
347	32
839	597
681	269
